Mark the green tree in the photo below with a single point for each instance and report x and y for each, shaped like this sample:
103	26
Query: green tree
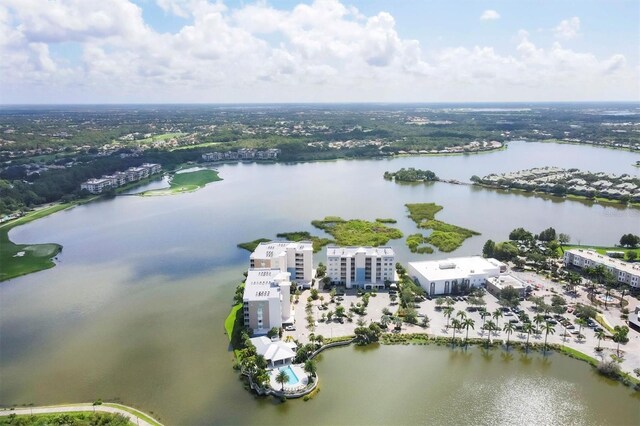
600	336
489	249
468	323
310	367
620	336
629	240
527	328
425	322
282	378
484	314
490	326
497	314
581	323
456	324
548	329
520	234
509	328
632	255
547	235
448	310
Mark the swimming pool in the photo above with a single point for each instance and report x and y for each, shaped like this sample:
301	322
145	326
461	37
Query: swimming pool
293	379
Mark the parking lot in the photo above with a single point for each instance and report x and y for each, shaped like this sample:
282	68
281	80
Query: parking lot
566	329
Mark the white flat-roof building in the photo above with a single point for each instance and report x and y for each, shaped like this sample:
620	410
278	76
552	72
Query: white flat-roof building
452	275
625	272
266	300
499	283
296	258
365	267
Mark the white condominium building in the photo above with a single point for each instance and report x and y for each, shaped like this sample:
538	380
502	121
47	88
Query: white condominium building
454	274
365	267
266	300
296	258
625	272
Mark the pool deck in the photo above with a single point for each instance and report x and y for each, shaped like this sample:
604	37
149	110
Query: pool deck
298	371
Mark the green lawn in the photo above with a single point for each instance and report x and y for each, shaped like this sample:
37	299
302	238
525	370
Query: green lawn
357	232
163	136
599	249
186	182
22	259
229	323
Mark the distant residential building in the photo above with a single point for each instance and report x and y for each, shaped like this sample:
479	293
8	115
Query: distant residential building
266	300
624	272
132	174
455	274
242	154
296	258
96	186
363	267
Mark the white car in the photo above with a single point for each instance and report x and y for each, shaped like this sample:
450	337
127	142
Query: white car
290	328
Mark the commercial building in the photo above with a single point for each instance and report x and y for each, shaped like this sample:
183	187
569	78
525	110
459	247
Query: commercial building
624	272
364	267
266	300
634	319
296	258
455	274
499	283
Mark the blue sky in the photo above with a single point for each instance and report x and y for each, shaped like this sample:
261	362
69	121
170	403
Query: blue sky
95	51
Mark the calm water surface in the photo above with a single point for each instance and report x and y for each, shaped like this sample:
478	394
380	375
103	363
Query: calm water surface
134	309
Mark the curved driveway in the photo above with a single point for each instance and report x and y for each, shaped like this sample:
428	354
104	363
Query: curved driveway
136	420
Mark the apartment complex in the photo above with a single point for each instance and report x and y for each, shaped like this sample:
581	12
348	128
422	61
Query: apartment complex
625	272
266	300
242	154
296	258
364	267
132	174
455	274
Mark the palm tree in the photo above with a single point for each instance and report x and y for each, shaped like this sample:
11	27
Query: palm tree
600	336
397	321
497	314
466	323
461	314
548	328
457	325
310	367
385	320
528	327
538	319
484	315
509	328
282	378
489	326
447	313
581	322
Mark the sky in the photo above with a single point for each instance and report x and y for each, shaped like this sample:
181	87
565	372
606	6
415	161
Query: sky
207	51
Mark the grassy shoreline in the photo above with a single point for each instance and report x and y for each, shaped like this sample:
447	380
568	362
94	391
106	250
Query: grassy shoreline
23	259
185	182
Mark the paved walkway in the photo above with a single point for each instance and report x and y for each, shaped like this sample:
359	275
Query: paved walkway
80	407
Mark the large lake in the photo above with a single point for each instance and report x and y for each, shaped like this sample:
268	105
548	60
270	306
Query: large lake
135	307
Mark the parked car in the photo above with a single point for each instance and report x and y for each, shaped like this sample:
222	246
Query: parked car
290	328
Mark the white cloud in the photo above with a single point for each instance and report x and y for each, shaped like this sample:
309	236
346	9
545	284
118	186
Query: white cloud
322	51
489	15
568	28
